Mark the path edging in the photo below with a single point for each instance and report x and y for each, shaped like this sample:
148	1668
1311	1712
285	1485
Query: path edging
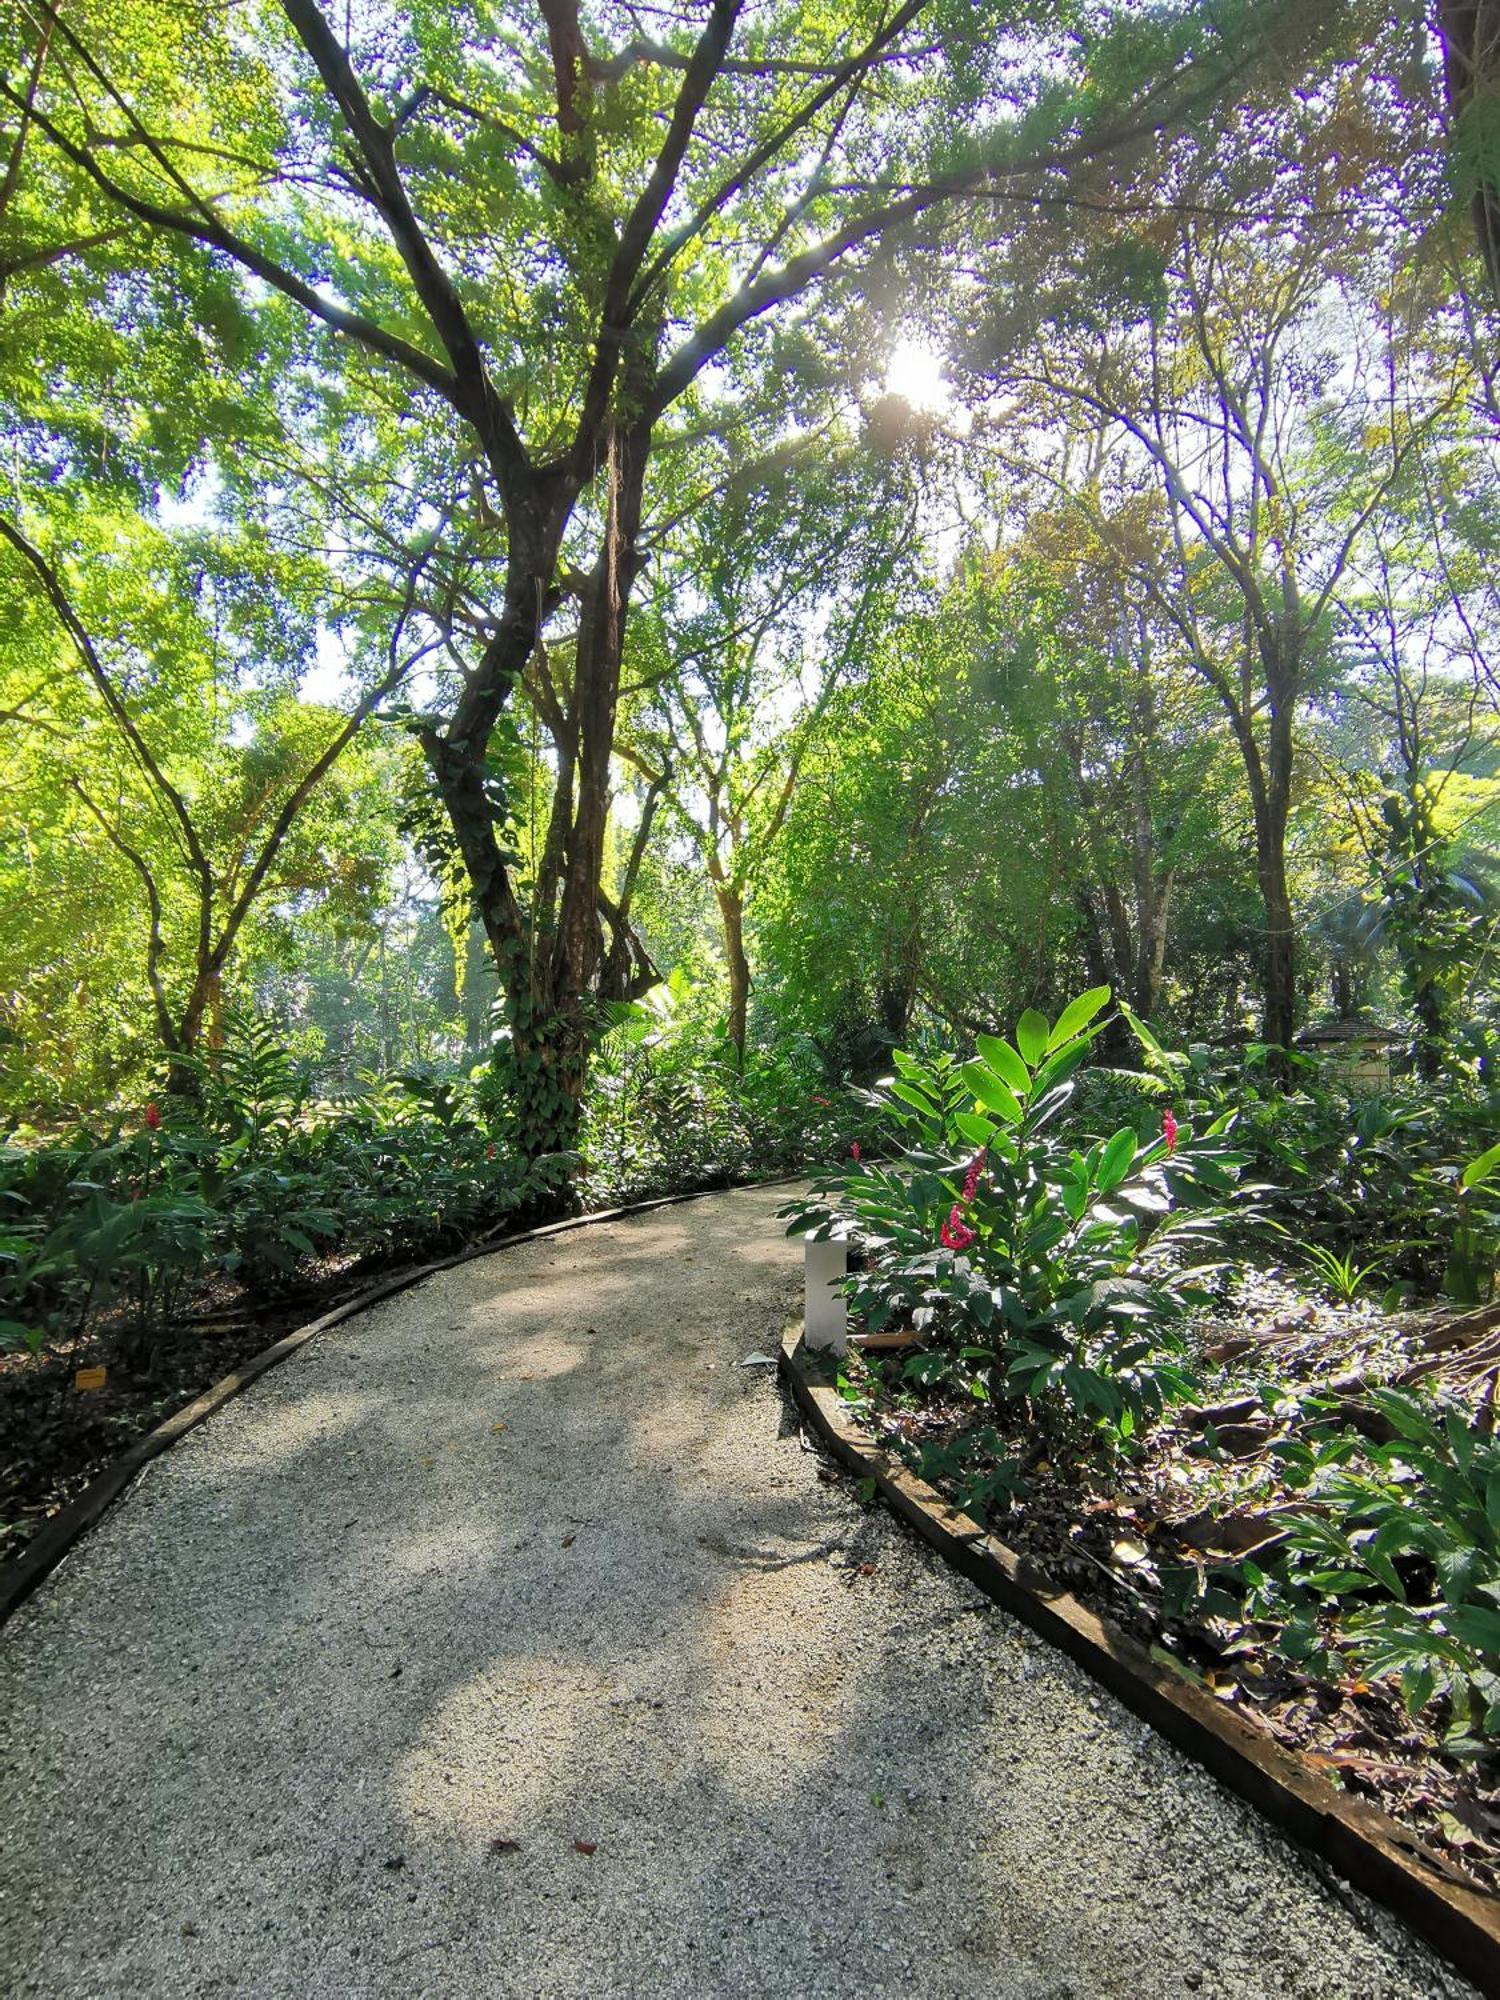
20	1576
1388	1864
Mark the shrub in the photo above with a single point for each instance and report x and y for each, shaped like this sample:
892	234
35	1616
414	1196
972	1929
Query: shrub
249	1180
1394	1567
1055	1269
1366	1177
673	1104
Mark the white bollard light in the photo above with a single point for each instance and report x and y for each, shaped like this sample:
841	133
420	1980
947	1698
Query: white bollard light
827	1315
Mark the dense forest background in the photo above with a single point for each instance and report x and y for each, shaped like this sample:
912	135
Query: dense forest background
674	536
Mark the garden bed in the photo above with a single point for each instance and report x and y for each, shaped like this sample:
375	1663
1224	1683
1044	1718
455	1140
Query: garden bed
1202	1491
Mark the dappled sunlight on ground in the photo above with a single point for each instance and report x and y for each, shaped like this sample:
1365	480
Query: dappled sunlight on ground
527	1557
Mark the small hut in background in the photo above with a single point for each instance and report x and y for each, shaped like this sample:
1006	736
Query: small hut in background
1356	1050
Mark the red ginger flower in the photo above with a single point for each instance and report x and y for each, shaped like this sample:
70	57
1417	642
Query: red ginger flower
955	1233
971	1178
1169	1130
153	1118
854	1152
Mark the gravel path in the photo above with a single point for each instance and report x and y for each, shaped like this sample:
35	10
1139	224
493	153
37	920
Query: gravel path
524	1556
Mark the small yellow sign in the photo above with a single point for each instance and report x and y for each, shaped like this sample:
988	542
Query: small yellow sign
90	1378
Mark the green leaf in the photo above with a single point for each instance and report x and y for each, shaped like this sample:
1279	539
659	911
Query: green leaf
1031	1036
1141	1032
992	1092
1118	1159
974	1126
1076	1016
1417	1685
1480	1169
1004	1061
1477	1625
917	1099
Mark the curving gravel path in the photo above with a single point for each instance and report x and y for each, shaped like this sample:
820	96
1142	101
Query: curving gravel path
524	1556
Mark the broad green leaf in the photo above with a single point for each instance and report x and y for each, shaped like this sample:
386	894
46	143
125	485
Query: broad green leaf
1076	1016
917	1099
1004	1061
975	1127
1031	1036
1477	1626
992	1092
1118	1159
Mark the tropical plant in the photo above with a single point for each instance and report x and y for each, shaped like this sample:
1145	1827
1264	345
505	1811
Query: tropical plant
1393	1567
1055	1270
1470	1275
1344	1277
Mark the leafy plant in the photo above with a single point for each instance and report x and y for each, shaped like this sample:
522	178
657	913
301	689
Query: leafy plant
1393	1569
1054	1270
106	1234
1470	1275
1339	1272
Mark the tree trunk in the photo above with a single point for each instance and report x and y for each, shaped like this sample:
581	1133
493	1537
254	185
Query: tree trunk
1470	34
1153	884
1279	960
544	1107
1268	772
732	916
1154	905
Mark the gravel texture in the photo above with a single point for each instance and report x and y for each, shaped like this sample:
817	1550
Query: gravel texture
525	1556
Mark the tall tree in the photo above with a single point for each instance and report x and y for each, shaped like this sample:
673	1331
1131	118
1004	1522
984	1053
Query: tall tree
1244	370
737	659
158	758
545	229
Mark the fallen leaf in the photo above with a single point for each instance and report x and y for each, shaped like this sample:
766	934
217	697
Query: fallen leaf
585	1847
1456	1833
503	1844
867	1569
497	1427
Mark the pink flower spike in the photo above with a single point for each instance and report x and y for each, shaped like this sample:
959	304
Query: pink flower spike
153	1118
1169	1130
854	1152
971	1178
955	1233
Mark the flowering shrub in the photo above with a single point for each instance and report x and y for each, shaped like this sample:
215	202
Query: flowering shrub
1055	1273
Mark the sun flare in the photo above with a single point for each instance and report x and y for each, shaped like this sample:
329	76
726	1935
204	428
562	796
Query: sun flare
915	374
